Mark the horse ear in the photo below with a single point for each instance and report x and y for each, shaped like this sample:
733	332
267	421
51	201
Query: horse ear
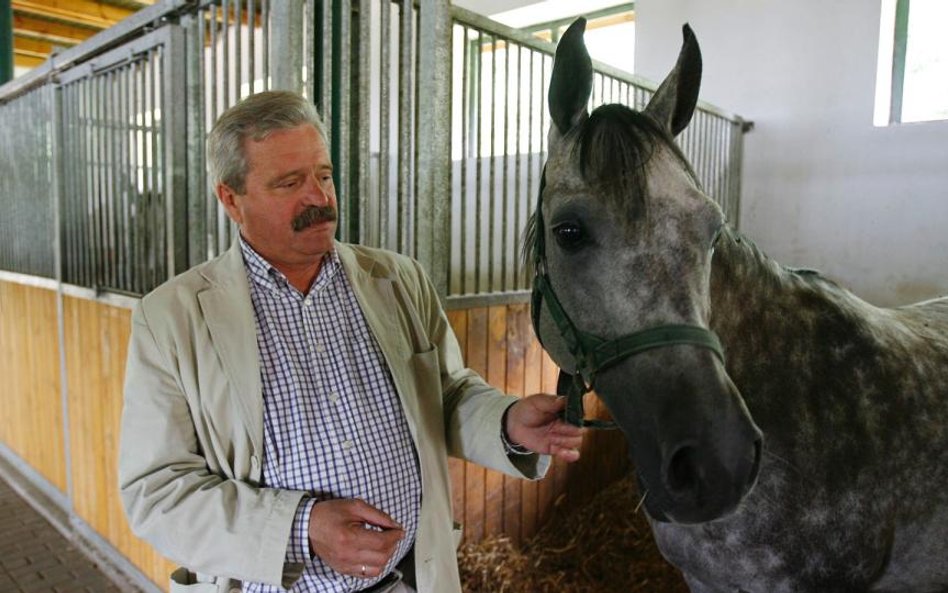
674	102
571	81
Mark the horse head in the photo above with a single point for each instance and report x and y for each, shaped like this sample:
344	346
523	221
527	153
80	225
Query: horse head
623	239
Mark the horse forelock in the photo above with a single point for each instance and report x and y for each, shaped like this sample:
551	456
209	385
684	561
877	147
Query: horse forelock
614	146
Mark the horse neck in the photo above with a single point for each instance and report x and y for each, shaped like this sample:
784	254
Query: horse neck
778	326
746	285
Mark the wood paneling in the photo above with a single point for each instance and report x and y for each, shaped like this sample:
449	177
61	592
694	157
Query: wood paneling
498	342
96	338
31	421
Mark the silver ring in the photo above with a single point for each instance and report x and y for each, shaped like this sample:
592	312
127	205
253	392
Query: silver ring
363	570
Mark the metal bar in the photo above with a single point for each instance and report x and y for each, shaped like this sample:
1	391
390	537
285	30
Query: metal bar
341	123
434	142
899	50
238	45
227	92
251	45
384	119
125	178
405	85
505	193
519	201
479	164
286	66
115	255
492	175
175	134
197	204
157	192
362	106
325	65
465	78
6	41
265	23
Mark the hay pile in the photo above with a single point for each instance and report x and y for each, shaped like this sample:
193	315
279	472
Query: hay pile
603	547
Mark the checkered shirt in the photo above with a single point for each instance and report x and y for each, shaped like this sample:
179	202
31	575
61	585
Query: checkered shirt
333	422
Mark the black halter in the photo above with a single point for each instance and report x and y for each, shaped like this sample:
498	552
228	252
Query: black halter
592	353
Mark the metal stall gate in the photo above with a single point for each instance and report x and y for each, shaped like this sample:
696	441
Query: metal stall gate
137	207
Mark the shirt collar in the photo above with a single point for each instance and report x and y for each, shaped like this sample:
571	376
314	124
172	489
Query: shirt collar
264	274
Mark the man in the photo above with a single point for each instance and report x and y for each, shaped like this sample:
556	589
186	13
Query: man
290	405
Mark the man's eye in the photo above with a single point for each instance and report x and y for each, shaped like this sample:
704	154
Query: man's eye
569	236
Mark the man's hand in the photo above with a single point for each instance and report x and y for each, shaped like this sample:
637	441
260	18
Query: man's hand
534	423
353	537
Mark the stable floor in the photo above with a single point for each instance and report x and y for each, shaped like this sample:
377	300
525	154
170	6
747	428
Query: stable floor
37	558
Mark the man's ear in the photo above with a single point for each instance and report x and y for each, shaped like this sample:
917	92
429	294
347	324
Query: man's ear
228	198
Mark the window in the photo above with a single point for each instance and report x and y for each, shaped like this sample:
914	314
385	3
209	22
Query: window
912	80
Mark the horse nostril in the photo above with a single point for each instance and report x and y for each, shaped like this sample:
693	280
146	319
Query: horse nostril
682	475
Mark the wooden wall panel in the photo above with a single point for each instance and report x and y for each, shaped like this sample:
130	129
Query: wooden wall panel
31	421
498	343
96	342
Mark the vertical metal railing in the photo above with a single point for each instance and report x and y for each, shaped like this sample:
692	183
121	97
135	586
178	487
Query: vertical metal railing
26	185
437	122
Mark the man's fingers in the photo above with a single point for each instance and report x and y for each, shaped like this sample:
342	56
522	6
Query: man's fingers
373	516
567	454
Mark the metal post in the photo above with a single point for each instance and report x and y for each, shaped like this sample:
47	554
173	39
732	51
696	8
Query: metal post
434	142
6	41
176	152
286	59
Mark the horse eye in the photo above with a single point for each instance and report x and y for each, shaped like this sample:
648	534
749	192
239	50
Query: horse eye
569	236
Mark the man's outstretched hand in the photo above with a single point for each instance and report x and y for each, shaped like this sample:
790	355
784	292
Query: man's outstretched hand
534	422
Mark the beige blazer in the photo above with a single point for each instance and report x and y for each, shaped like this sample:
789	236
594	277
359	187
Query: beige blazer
192	423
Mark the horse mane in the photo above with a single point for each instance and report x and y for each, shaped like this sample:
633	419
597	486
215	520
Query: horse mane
615	145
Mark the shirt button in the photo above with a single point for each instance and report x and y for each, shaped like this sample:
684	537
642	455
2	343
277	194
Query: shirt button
320	348
333	397
347	444
307	302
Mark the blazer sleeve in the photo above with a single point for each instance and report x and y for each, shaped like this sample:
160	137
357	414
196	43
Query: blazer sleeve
205	520
473	409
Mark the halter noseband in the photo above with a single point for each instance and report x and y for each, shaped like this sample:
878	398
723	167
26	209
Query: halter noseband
592	353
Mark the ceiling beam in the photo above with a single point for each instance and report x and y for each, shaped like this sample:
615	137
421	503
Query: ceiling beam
27	60
51	29
78	13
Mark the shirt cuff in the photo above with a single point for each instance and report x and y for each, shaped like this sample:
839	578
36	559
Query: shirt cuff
510	448
297	550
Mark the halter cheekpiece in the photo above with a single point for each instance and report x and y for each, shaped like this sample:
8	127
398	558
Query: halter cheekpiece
593	353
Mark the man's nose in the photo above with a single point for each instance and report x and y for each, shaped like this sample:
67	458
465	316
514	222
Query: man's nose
317	193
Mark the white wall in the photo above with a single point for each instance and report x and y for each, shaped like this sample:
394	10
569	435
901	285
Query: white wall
822	187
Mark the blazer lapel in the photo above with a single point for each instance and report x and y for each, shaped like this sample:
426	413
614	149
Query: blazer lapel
228	312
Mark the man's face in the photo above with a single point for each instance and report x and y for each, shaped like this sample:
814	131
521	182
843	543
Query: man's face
288	209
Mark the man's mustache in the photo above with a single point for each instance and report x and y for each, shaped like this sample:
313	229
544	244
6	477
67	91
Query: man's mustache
313	215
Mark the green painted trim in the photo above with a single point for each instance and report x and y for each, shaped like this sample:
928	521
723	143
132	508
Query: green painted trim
6	41
898	60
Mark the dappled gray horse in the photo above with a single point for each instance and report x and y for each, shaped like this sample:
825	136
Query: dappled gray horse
693	338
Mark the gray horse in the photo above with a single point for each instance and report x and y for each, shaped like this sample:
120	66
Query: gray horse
693	338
